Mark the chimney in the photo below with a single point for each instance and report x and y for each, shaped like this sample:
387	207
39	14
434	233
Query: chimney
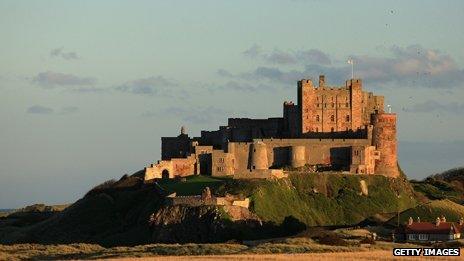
418	219
461	221
437	221
410	221
321	80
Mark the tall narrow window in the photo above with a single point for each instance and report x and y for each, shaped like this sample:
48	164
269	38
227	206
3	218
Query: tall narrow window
347	118
332	118
317	117
332	129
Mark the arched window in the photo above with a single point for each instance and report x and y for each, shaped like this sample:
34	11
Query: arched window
332	118
317	117
347	118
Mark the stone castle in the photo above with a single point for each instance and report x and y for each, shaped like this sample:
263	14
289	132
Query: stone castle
330	128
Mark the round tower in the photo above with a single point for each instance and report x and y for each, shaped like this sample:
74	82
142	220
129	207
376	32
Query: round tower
259	156
384	139
297	156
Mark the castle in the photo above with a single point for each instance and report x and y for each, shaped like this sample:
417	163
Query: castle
330	128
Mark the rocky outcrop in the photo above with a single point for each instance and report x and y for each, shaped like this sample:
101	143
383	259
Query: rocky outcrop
201	223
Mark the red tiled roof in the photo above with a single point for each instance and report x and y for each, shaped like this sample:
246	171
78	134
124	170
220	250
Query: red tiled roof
431	228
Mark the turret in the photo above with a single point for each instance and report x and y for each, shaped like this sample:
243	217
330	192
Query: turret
297	156
259	156
384	139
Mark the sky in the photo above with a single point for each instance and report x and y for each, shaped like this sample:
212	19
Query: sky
88	88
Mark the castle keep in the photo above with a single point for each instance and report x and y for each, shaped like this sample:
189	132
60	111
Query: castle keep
330	128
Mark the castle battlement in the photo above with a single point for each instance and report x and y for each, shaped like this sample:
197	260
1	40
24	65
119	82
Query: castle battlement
336	128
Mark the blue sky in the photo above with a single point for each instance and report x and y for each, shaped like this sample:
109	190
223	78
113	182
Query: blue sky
89	87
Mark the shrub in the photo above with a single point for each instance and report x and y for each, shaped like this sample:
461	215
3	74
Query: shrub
100	188
333	239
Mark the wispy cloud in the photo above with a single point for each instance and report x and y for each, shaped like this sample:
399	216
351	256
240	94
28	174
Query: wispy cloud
38	109
53	79
432	106
148	86
308	56
196	115
414	66
59	53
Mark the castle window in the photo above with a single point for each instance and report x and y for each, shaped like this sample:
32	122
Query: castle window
332	129
317	117
333	104
318	105
317	129
346	104
347	118
325	105
332	118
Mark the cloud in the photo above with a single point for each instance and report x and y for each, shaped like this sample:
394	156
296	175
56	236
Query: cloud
238	86
253	52
413	66
431	106
147	86
53	79
38	109
309	56
59	53
198	115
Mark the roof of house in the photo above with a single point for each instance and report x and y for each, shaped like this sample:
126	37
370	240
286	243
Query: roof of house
432	228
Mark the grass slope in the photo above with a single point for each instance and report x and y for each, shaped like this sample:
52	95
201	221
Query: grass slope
431	210
324	199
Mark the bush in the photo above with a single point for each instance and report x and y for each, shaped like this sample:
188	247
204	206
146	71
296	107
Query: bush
367	240
102	187
333	239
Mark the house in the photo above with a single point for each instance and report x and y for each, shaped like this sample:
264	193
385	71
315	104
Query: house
440	230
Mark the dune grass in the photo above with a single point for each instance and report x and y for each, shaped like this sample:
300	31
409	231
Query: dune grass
92	251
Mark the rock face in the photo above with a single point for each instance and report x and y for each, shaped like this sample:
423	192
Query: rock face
181	224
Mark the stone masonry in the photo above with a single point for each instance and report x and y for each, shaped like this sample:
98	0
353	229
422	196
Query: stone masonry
332	128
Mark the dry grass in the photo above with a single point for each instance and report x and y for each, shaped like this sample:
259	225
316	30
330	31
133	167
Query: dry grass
289	246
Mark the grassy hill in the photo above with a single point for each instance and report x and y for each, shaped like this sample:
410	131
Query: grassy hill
447	185
324	199
431	210
117	212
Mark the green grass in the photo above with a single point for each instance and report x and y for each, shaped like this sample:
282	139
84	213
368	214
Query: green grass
439	189
431	210
194	185
325	199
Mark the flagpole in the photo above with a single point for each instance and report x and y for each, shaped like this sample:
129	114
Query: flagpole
352	70
350	61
